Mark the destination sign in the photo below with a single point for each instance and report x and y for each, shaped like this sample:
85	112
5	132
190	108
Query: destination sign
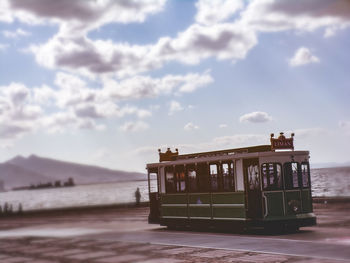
282	142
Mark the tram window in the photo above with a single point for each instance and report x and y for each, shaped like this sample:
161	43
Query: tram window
271	176
170	180
291	175
214	177
192	178
153	182
253	177
203	173
227	176
305	174
180	179
279	175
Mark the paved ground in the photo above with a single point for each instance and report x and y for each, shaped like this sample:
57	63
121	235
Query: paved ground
123	235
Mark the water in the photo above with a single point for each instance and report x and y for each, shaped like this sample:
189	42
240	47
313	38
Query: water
325	182
331	181
80	195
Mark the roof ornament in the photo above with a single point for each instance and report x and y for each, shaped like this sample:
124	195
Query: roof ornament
168	155
282	142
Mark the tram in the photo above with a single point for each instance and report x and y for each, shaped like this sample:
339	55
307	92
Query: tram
265	186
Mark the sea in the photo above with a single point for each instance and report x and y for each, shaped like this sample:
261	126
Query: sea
329	182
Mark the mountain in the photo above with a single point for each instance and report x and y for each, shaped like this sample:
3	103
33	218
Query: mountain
329	165
22	171
12	175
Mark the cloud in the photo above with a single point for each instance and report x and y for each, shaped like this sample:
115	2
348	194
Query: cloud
11	131
255	117
134	126
303	56
67	121
15	34
303	15
223	125
79	54
3	46
72	50
174	107
190	127
80	14
197	42
44	95
73	105
212	12
18	114
140	87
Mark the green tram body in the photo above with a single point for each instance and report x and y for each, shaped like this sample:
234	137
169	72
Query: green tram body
237	188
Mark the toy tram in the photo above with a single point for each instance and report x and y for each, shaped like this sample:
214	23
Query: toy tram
258	186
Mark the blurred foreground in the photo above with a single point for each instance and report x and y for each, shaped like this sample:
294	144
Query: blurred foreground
123	235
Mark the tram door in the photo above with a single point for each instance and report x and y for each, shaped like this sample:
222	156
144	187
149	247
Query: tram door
252	186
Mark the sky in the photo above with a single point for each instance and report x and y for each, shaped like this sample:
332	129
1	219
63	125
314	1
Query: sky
107	83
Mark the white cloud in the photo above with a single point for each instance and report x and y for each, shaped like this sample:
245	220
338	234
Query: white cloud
222	41
303	15
79	16
18	115
191	107
212	12
223	125
15	34
68	121
303	56
139	87
134	126
70	107
44	95
5	14
79	54
71	49
255	117
190	127
3	46
174	107
13	131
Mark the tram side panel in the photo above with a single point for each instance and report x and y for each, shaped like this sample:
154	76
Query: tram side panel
199	206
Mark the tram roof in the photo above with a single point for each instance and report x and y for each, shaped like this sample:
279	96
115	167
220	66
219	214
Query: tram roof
227	154
251	149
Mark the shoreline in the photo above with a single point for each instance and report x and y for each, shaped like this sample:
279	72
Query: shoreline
131	205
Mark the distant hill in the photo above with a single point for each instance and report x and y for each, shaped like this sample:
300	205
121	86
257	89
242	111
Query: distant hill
13	175
329	165
22	171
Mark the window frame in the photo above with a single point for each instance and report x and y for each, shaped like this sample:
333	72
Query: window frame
192	167
291	174
231	176
177	174
170	169
203	177
218	178
268	180
308	175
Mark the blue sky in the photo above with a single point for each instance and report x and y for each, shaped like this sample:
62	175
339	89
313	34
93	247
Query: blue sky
109	82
